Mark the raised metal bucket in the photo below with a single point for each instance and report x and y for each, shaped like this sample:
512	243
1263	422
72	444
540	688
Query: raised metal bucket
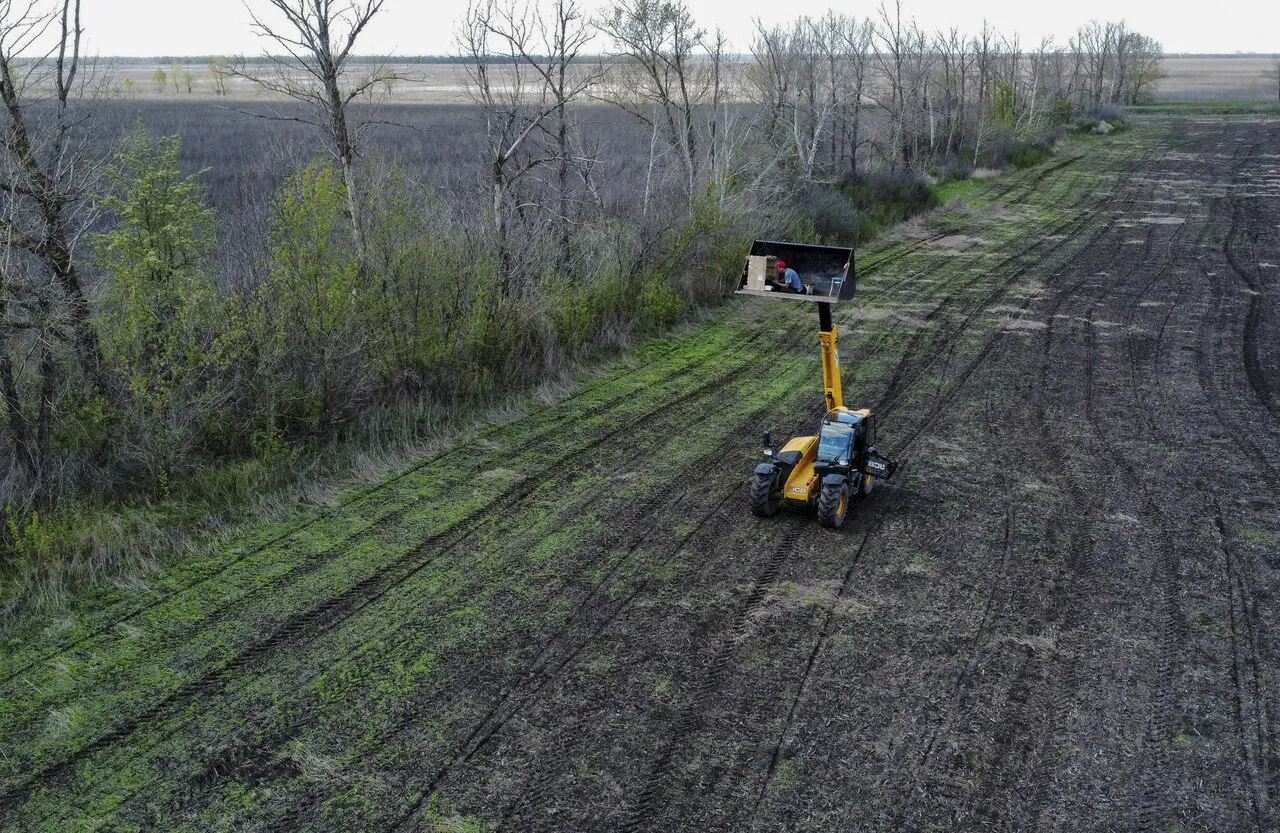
821	269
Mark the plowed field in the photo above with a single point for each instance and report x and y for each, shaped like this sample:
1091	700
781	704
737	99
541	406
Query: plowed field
1063	617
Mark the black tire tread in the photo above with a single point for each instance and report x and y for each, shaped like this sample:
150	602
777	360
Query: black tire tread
829	506
762	504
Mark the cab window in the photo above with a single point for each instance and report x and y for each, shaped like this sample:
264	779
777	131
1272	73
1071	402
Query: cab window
834	442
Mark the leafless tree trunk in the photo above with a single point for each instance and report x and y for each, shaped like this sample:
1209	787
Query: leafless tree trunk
523	94
856	40
953	54
770	76
44	176
658	41
562	37
983	58
892	56
315	43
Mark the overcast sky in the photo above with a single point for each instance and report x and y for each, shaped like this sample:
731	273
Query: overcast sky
425	27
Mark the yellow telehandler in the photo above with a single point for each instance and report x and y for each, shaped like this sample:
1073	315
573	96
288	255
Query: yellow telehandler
826	470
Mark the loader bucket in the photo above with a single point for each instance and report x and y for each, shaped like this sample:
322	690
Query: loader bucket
821	268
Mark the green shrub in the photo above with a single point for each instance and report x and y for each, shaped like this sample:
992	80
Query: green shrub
305	333
659	303
1026	157
158	313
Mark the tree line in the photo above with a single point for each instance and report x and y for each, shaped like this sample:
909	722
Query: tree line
132	373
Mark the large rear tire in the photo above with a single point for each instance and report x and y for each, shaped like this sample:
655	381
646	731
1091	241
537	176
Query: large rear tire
833	505
763	501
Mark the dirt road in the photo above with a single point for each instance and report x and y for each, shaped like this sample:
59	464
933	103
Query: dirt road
1062	619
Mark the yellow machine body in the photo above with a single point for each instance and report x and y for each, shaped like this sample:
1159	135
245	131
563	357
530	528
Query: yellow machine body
831	367
803	484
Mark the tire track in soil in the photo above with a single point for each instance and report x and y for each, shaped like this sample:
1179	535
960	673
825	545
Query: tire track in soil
303	626
640	528
538	784
1258	748
948	341
1213	357
365	494
1075	581
911	367
1251	712
1258	752
528	688
253	759
722	526
1240	595
917	357
1024	685
1167	616
876	524
1265	386
1080	497
1169	633
642	812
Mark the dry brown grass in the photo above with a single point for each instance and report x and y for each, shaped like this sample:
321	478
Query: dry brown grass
1241	78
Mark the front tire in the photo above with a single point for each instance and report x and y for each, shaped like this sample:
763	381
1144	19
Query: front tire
763	501
833	505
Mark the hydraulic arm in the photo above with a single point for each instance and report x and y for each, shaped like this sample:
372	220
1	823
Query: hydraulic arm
830	358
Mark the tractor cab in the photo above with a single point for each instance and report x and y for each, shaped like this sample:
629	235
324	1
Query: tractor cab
843	439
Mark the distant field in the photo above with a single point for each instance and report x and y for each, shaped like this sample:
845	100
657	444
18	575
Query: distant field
1241	78
420	84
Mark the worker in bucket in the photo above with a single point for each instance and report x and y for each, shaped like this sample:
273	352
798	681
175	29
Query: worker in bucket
788	280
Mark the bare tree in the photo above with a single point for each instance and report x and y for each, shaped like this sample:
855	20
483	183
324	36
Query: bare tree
658	79
810	79
854	53
562	36
1144	55
952	83
520	67
44	177
984	50
895	40
1096	43
315	45
770	74
219	71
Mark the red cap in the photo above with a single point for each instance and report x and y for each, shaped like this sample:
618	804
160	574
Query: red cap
781	264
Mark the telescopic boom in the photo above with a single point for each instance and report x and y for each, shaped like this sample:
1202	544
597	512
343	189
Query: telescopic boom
830	359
